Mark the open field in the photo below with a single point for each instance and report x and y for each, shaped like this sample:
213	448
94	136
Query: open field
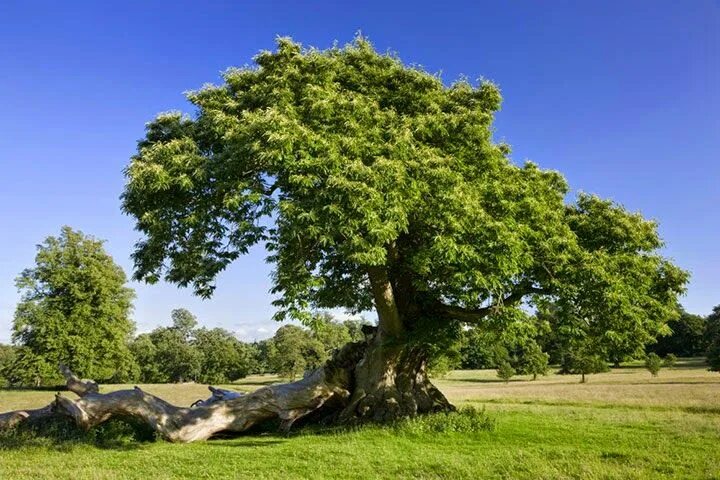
623	424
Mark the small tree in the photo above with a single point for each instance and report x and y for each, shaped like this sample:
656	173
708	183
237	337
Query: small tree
534	361
584	361
670	360
653	363
505	371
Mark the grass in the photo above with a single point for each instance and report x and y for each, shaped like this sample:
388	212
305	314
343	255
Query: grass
623	424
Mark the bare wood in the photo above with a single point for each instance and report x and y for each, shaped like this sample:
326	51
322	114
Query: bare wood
226	413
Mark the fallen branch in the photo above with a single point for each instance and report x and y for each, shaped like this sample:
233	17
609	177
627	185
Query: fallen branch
223	412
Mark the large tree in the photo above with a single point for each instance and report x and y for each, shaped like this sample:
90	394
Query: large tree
374	185
75	309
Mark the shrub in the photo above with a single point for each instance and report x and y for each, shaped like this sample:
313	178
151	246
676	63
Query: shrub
670	360
653	363
505	371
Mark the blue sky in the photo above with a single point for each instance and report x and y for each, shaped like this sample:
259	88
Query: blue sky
622	97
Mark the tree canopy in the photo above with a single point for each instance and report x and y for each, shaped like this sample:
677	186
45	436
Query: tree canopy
74	310
375	184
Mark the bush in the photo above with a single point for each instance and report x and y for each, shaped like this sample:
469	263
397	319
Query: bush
653	363
670	360
505	371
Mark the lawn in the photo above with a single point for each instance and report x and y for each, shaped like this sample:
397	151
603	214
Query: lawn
623	424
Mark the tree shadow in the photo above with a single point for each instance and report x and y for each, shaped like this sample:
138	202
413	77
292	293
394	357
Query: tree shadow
62	435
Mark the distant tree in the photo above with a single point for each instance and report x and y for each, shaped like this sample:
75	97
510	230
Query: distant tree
331	334
686	337
223	357
670	360
75	309
653	363
145	353
584	360
478	349
505	371
184	322
7	356
532	361
355	328
293	351
712	334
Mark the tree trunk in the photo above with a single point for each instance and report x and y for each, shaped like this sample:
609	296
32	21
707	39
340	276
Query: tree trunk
372	380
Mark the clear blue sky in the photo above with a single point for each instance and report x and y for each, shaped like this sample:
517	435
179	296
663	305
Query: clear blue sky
622	97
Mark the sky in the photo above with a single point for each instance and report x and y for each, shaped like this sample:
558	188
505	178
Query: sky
622	97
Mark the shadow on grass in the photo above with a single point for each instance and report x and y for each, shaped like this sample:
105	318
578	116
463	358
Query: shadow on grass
61	434
239	442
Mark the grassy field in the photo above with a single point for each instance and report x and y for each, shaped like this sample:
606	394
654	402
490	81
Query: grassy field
623	424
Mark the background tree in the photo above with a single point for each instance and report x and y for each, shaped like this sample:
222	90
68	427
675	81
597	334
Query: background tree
375	185
583	360
223	357
712	334
145	353
653	363
505	371
7	356
685	339
293	351
74	309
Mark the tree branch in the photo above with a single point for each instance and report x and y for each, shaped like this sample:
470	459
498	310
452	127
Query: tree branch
474	315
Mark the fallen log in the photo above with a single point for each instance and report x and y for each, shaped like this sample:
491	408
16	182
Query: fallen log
222	413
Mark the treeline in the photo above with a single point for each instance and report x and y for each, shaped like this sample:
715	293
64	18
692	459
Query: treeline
529	347
185	352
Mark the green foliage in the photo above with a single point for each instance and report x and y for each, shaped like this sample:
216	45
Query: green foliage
223	357
533	361
74	309
712	334
583	361
670	360
344	161
685	339
653	364
293	351
7	357
183	352
505	371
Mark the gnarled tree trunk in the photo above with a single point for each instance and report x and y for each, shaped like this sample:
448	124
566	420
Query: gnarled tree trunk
364	381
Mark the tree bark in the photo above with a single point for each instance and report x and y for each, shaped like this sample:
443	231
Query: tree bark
364	381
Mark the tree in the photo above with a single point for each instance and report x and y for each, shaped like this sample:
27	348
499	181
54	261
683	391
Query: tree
7	356
584	362
293	351
145	353
532	361
223	357
685	339
653	363
74	310
505	371
712	334
373	185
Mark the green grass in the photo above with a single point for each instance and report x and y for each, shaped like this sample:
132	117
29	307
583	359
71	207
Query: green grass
553	428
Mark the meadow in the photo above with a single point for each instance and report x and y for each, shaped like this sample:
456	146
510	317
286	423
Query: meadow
623	424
